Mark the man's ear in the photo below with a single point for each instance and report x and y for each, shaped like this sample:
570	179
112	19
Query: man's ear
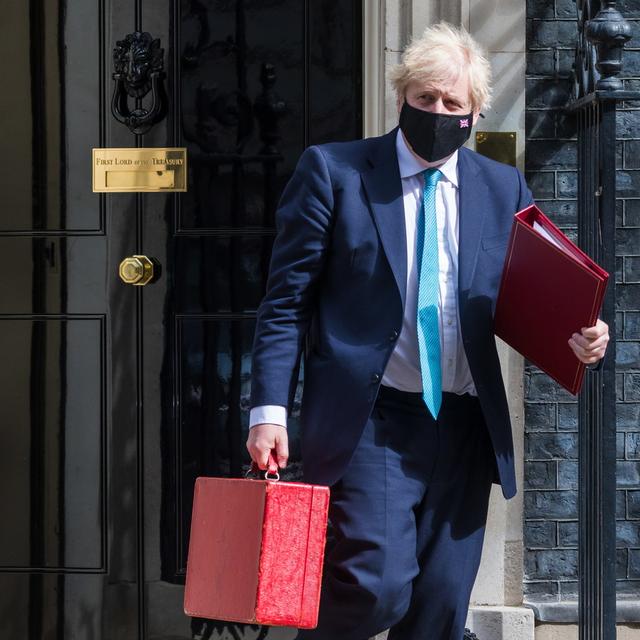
399	102
476	116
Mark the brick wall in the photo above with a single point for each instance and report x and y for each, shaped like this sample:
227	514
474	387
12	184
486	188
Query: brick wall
551	446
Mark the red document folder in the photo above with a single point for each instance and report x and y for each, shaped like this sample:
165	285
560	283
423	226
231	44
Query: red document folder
256	551
550	289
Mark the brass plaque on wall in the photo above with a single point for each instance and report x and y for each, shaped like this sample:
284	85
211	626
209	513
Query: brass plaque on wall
497	145
144	169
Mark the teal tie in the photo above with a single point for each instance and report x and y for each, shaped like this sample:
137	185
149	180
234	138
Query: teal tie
428	295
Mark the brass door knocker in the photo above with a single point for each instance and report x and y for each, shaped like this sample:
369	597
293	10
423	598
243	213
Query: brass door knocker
138	61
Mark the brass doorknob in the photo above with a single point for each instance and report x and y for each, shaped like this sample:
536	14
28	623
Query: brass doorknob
136	270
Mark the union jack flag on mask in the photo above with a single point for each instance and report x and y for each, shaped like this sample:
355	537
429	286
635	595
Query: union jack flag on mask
464	124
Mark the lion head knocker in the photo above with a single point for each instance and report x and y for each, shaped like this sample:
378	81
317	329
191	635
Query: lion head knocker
139	68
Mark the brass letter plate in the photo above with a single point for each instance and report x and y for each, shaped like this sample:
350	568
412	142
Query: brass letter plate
147	169
497	145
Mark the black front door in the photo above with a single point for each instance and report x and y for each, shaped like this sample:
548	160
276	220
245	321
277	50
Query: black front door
114	397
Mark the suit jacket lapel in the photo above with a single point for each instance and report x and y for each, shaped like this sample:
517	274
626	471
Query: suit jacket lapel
472	202
383	187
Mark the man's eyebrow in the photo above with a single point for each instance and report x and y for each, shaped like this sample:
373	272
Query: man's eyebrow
445	96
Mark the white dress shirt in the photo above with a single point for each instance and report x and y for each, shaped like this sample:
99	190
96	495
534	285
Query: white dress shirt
403	369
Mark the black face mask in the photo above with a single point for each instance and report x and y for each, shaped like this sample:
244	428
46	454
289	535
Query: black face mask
434	136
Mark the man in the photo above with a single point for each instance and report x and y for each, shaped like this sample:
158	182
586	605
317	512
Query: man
386	267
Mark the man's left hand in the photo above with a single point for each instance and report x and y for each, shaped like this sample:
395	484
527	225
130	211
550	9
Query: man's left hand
590	346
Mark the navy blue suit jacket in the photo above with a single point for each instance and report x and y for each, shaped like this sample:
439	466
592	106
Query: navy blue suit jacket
337	285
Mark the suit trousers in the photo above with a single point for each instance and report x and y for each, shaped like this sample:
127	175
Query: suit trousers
408	520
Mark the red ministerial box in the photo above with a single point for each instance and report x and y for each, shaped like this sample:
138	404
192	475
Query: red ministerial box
256	551
550	289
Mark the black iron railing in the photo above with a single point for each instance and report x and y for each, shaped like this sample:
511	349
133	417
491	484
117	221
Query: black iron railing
602	33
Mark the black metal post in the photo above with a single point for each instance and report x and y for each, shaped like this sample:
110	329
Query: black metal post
597	438
598	91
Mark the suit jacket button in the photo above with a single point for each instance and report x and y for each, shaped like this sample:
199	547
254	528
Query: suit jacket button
393	336
375	377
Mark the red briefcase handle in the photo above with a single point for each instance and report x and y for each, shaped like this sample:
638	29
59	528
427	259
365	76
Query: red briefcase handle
272	468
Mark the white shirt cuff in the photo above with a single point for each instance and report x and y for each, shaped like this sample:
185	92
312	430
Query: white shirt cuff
268	414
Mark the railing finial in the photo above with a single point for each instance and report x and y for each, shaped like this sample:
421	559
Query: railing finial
609	31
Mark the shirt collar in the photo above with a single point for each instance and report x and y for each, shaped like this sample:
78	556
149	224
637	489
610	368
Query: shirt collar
410	165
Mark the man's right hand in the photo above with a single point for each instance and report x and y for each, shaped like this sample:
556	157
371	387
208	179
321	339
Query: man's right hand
268	443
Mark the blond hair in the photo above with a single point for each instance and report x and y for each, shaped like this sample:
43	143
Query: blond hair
441	54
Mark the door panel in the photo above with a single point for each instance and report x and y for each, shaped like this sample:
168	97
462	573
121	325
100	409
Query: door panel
28	261
55	455
46	112
115	398
221	275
